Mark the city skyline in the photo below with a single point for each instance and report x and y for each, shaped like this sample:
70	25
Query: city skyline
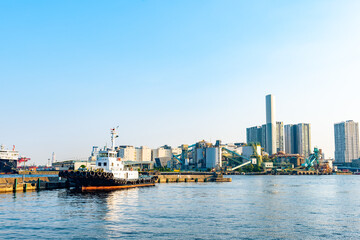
172	73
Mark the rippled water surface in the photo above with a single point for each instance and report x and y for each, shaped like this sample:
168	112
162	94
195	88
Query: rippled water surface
250	207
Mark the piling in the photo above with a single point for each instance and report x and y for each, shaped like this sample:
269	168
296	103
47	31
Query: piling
38	184
15	185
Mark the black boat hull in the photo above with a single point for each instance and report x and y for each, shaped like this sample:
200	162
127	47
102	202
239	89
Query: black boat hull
100	179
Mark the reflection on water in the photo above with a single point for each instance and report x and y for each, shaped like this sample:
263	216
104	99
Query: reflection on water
250	207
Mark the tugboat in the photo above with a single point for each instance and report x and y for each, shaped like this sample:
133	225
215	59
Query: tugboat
110	173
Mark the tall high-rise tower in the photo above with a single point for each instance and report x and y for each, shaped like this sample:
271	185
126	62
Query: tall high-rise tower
280	136
298	139
346	141
304	139
270	125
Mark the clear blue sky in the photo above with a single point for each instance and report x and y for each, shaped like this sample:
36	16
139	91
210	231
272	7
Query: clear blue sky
172	72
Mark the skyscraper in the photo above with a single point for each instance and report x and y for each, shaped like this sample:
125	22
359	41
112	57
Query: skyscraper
263	136
346	141
279	136
298	139
254	135
270	125
304	139
290	138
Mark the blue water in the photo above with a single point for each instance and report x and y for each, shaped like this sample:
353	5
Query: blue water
250	207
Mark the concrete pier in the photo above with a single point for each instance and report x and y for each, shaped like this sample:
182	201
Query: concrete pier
20	184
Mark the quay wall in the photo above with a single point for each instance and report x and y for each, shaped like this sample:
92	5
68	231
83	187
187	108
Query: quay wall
20	184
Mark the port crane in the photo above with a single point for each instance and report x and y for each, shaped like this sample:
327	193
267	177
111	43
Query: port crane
23	160
309	162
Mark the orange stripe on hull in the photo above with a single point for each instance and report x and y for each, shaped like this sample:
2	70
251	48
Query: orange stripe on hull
94	188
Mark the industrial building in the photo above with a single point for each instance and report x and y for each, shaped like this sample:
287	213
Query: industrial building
164	151
163	157
346	141
291	160
72	165
205	155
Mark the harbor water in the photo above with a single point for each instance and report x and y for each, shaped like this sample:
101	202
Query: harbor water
249	207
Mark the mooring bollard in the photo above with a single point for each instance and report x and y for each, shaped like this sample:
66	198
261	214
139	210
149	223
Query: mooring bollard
205	179
25	187
186	180
196	180
167	180
38	184
177	180
15	184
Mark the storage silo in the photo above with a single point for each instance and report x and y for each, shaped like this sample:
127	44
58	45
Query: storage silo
213	157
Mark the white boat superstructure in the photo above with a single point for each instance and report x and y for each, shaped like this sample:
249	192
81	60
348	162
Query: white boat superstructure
111	163
8	154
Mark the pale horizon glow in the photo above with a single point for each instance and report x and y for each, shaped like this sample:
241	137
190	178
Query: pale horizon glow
172	72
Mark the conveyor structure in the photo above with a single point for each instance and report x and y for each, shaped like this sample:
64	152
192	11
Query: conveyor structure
241	164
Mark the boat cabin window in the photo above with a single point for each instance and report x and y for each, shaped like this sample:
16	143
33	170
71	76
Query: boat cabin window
104	164
112	154
99	164
103	154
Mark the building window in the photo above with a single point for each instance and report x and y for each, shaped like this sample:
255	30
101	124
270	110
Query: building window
99	164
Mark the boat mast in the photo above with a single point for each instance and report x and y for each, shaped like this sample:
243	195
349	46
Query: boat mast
113	136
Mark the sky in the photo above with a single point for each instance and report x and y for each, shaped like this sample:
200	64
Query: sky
172	72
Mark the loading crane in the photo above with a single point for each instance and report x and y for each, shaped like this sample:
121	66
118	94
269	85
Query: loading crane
249	161
23	160
309	162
